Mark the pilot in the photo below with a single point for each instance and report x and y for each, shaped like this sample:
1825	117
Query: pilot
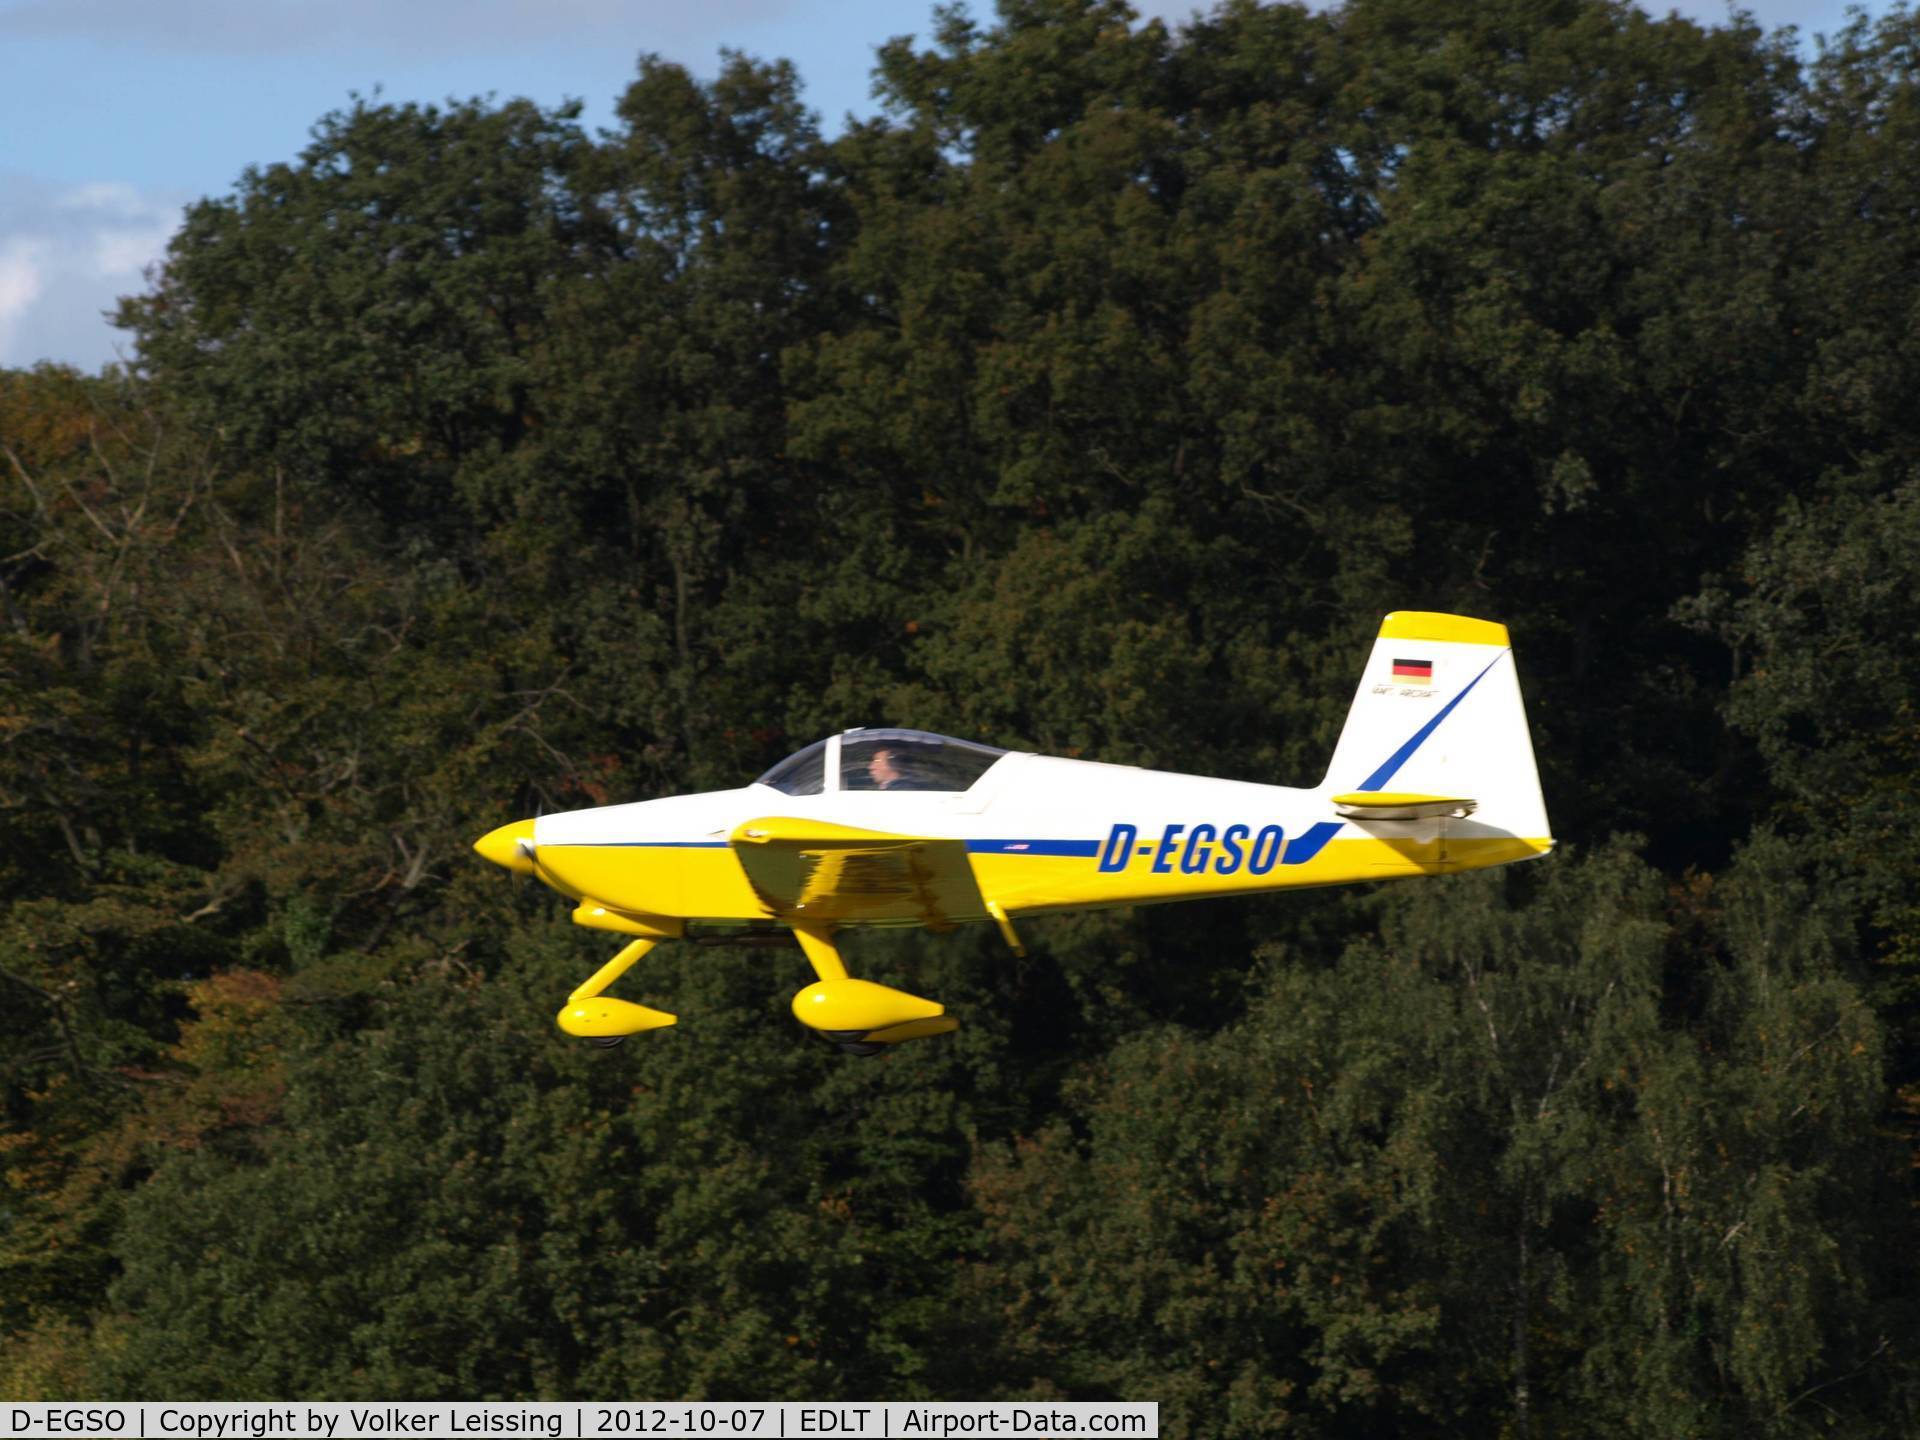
885	772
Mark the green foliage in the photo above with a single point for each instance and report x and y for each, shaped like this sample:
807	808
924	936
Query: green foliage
1825	691
1469	1170
369	313
1097	399
1729	1200
1368	1232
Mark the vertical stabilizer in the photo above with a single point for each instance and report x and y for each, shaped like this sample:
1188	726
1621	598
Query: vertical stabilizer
1438	712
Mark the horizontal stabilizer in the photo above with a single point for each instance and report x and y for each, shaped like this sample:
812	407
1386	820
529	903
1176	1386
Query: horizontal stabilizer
1400	805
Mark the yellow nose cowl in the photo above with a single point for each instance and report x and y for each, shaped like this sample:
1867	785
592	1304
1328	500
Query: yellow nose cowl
510	845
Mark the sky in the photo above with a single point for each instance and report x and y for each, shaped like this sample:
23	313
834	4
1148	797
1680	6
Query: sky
115	114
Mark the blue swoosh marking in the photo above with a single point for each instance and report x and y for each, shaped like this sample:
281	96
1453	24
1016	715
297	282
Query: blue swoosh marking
1405	753
1303	848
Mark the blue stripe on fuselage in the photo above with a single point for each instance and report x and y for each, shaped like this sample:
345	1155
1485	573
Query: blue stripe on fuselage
1084	848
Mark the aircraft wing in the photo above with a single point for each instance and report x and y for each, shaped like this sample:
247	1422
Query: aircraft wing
817	871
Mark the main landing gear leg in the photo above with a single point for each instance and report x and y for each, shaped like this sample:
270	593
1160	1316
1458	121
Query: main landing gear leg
859	1016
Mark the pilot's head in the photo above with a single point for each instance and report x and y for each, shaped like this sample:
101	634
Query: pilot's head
884	769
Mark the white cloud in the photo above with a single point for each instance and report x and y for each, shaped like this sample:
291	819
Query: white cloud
20	284
100	195
67	254
119	250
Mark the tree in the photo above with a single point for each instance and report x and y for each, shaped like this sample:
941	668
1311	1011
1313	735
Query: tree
1745	1271
1827	690
1098	398
366	318
1474	1171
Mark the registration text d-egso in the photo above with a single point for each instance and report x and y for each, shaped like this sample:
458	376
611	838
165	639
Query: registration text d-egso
76	1420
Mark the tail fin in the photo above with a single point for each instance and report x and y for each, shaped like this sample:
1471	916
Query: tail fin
1438	713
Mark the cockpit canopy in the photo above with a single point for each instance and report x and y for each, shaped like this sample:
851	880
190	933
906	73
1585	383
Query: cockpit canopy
883	760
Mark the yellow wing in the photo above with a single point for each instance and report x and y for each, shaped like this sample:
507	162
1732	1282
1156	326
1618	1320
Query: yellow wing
823	873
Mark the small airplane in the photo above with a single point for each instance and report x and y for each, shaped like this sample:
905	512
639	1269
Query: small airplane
1433	773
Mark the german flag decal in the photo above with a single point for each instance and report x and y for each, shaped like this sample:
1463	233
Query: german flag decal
1418	672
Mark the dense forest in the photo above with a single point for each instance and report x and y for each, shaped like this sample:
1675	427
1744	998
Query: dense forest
1097	399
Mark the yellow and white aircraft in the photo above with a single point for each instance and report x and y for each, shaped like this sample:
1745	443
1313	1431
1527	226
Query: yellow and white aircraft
1433	773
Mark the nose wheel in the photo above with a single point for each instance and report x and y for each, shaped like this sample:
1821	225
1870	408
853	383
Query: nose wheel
602	1020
